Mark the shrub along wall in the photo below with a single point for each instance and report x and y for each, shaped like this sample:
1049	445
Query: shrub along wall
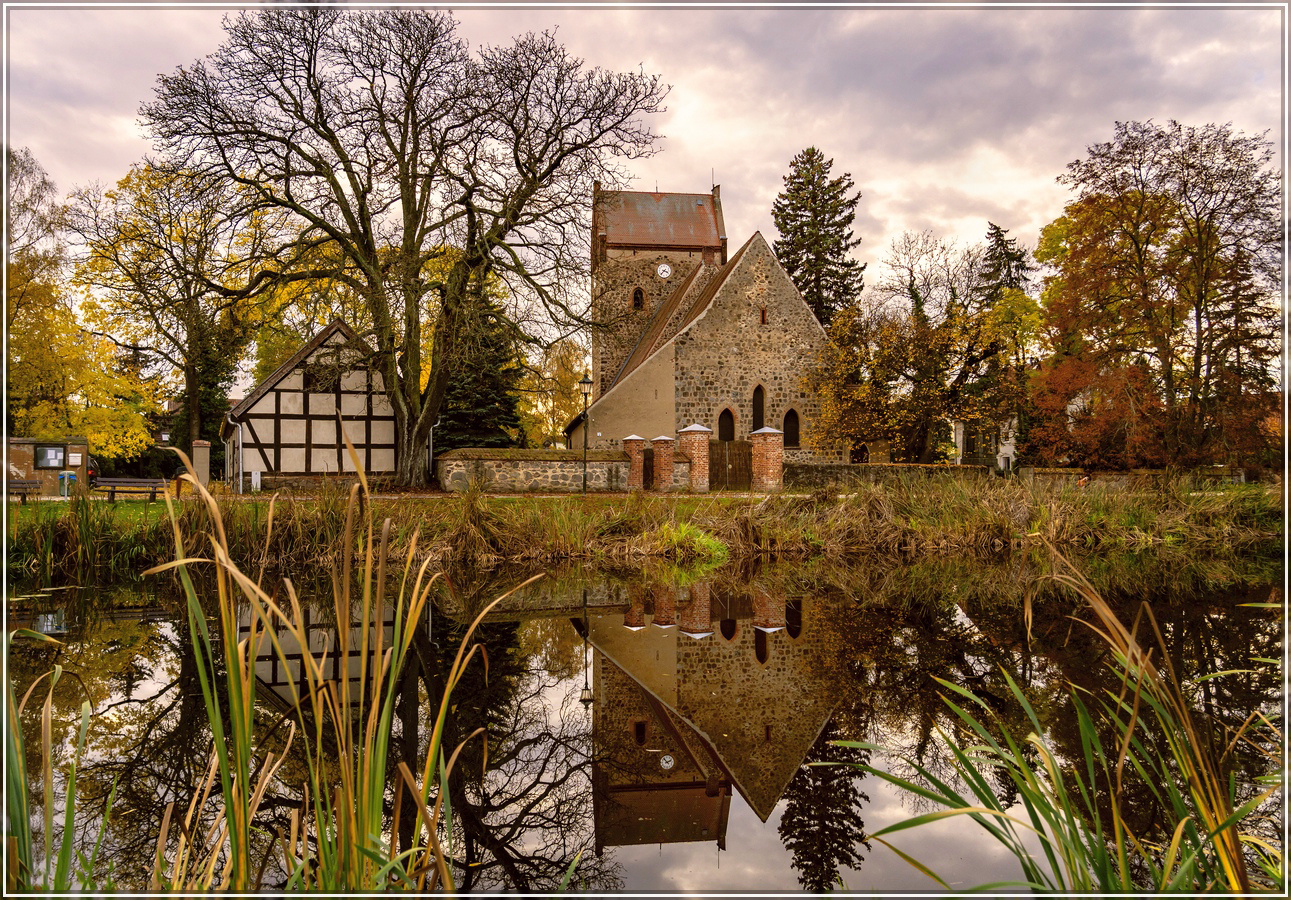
541	471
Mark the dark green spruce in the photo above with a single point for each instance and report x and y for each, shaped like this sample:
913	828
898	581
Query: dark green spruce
480	404
821	826
814	216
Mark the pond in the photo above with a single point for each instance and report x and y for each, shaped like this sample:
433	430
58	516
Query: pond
659	724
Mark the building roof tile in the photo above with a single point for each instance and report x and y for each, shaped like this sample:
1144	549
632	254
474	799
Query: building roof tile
641	219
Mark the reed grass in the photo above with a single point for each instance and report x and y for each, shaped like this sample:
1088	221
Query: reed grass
89	539
338	841
64	869
1208	844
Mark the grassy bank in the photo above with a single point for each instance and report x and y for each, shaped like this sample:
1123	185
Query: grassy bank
86	537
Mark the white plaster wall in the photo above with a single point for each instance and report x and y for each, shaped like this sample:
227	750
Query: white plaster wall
323	459
640	404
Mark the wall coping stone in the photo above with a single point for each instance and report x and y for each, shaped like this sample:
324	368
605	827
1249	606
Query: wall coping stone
696	428
71	439
634	437
767	430
511	453
662	437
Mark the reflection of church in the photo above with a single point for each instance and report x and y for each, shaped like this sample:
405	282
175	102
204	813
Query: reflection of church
699	691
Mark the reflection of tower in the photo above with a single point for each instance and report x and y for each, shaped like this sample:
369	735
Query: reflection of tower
732	694
655	780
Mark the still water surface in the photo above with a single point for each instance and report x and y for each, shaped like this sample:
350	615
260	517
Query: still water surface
709	695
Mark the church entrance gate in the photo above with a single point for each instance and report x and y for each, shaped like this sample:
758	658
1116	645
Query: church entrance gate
730	465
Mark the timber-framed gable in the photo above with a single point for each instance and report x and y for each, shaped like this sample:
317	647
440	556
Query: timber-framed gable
287	428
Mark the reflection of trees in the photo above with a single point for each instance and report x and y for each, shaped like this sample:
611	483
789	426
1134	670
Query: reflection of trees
524	819
821	825
149	737
913	625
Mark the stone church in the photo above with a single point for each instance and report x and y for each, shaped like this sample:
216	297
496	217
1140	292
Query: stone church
696	335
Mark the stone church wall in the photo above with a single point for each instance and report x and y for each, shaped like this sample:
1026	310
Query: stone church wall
615	281
712	374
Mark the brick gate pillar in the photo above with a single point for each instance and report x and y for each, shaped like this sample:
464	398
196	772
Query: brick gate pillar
692	441
768	610
634	447
768	459
662	447
697	615
665	605
634	618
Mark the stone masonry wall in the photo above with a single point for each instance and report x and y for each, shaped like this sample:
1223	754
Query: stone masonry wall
613	285
800	477
540	471
711	375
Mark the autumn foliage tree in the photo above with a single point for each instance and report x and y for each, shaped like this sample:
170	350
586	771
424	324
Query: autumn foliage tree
549	394
1161	301
919	354
62	380
169	256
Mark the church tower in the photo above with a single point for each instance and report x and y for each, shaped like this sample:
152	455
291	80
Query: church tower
645	246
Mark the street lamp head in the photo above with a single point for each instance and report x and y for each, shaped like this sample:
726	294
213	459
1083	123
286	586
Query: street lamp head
585	697
585	385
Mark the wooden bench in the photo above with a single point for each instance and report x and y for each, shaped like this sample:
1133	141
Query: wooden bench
22	487
114	486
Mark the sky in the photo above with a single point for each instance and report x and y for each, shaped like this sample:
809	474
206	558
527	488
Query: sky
946	118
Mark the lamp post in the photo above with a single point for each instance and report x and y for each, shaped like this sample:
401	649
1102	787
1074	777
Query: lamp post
586	387
585	697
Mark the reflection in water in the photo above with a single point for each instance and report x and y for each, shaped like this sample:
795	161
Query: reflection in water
708	694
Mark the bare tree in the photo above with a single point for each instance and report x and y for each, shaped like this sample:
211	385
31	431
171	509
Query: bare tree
388	140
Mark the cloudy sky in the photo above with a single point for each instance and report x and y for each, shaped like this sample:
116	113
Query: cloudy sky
946	118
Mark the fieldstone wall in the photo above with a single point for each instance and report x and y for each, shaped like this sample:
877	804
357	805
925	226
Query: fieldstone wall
536	471
809	477
759	311
615	281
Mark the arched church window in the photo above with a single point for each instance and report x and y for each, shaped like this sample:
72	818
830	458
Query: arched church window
638	299
791	435
726	426
760	647
759	407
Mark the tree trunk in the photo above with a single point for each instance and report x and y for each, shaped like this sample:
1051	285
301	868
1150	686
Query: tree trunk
193	401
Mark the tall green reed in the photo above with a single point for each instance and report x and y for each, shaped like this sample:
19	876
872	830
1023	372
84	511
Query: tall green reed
338	841
1084	846
65	869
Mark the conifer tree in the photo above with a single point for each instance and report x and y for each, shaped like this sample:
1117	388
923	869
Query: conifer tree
814	216
480	407
821	826
1005	265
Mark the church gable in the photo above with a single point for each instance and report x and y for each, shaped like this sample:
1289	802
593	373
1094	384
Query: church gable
755	332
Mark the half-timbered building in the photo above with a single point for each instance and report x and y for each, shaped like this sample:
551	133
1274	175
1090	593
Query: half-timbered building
287	428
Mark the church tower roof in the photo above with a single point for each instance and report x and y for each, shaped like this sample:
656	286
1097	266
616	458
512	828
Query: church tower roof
640	219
